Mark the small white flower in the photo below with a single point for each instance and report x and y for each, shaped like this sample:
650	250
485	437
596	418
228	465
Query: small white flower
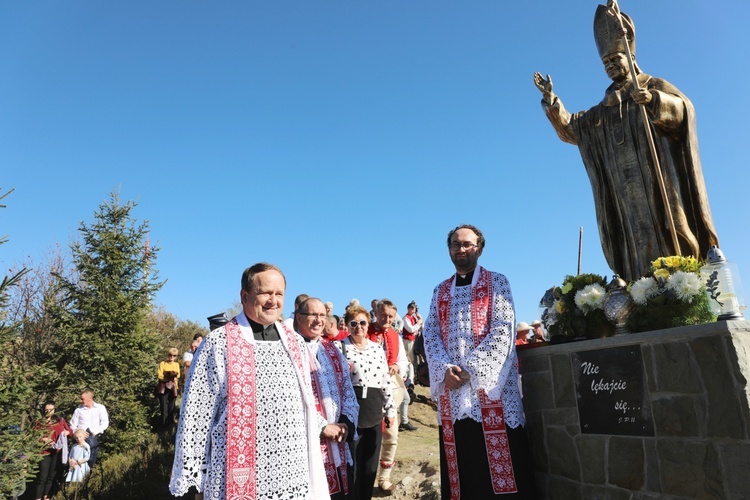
685	285
644	289
590	297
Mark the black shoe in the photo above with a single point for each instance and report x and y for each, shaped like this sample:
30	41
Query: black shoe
407	427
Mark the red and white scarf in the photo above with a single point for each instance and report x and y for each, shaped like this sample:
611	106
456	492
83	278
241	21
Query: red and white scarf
493	419
332	452
241	480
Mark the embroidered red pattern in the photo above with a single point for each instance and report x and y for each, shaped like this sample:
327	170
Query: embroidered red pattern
328	460
493	420
333	354
241	408
241	416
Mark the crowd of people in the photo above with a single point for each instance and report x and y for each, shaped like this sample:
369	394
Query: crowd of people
61	462
531	333
312	406
308	407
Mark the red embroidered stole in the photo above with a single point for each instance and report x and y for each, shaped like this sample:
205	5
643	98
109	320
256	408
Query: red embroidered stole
327	447
493	419
241	409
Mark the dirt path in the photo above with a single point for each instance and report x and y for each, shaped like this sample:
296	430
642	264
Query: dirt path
417	469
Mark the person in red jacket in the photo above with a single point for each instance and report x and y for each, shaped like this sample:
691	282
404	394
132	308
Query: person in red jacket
331	330
382	333
412	325
57	426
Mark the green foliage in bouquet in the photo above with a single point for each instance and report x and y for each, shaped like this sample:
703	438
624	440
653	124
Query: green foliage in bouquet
578	308
670	295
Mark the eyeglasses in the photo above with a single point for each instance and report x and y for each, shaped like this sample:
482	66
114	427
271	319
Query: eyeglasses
466	245
362	323
173	355
314	315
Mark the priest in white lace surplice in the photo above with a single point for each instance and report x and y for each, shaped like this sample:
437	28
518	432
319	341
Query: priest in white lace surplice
469	341
334	394
249	427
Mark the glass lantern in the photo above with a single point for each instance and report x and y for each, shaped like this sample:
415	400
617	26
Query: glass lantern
618	305
723	286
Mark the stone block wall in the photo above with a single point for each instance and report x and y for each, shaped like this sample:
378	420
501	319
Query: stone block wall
697	383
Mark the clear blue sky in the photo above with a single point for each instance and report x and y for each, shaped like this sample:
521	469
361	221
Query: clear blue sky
341	140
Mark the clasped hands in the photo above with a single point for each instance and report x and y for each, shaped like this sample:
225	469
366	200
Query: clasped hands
455	377
335	432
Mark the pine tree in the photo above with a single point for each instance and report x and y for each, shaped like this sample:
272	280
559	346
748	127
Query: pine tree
104	342
19	441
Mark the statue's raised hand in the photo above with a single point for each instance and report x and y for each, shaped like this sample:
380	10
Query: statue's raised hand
545	87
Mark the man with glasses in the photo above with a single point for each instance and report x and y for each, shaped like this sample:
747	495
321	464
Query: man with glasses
469	341
334	395
249	427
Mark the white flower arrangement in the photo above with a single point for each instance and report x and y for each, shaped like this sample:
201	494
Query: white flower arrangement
671	295
644	289
591	297
686	286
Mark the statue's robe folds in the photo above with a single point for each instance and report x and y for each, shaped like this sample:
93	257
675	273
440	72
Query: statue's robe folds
630	210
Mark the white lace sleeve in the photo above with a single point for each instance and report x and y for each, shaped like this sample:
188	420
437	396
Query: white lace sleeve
349	406
491	362
320	420
204	397
437	357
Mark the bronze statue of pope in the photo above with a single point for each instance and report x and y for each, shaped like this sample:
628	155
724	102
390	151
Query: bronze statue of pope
635	206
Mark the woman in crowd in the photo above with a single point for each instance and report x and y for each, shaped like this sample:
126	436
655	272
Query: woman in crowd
166	391
57	432
372	385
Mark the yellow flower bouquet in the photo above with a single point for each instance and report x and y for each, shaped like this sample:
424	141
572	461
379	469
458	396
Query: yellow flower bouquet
671	294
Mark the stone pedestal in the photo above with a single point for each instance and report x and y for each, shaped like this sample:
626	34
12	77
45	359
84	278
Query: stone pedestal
697	386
